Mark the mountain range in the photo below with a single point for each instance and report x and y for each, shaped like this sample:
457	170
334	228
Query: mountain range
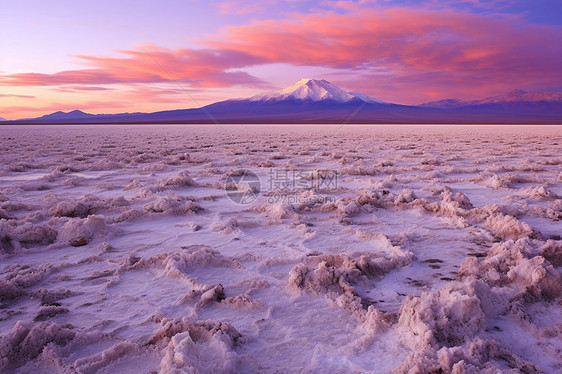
319	101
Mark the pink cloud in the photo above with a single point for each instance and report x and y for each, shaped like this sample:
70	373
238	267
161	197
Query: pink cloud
82	88
232	7
203	67
437	50
398	54
18	96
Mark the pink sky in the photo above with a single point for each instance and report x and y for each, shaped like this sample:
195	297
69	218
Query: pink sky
106	58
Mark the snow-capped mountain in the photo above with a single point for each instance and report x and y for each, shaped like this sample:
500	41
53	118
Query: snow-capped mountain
367	98
3	119
313	90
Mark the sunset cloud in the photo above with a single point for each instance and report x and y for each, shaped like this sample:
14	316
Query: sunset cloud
18	96
151	64
82	88
469	50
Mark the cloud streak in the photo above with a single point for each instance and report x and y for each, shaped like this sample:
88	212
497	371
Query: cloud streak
82	88
17	96
151	64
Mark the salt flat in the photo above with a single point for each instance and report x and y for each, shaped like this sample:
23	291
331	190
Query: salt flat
360	249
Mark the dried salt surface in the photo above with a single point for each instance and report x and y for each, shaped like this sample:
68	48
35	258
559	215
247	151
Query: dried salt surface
439	251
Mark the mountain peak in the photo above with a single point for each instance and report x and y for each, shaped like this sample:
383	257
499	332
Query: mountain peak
444	104
75	114
308	89
315	90
310	80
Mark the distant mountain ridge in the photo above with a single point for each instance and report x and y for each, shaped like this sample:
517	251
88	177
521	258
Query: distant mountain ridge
319	101
67	115
510	97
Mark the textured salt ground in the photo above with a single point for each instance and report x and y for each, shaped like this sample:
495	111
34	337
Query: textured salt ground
174	247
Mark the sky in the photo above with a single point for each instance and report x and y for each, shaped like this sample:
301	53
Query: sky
144	56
